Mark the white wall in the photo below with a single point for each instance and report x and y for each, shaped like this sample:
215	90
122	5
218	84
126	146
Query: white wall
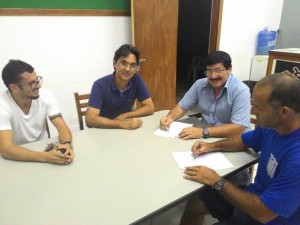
289	34
69	52
241	22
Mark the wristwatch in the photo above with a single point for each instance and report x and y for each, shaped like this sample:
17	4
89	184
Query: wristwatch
205	132
219	185
68	142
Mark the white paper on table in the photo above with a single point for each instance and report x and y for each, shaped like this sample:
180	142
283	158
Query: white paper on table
213	160
174	129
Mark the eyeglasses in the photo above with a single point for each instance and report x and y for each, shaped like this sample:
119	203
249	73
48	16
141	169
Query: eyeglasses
216	71
35	83
124	64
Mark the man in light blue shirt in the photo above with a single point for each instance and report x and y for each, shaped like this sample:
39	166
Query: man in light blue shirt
222	99
224	103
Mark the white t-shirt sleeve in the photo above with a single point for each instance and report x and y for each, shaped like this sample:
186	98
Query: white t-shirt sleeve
5	123
51	103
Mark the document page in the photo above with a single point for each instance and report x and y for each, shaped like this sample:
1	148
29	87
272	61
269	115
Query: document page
213	160
174	129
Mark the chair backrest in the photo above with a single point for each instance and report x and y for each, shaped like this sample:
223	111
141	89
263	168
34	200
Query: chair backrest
81	105
196	69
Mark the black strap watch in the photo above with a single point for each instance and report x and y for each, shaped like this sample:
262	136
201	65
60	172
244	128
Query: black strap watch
205	132
219	185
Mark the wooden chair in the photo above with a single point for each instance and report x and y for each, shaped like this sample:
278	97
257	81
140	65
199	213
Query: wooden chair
81	105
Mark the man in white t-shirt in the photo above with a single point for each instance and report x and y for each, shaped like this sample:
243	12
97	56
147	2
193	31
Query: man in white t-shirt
23	116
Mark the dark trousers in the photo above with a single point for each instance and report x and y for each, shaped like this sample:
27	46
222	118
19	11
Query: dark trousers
224	211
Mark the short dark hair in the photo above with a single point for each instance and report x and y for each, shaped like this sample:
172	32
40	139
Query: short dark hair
285	90
218	57
125	50
12	71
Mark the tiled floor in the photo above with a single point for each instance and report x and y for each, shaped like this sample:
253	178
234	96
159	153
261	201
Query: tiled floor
172	217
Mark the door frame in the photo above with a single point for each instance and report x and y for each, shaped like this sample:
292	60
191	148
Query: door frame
215	25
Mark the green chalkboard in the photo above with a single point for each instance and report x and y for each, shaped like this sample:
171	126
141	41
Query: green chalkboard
122	5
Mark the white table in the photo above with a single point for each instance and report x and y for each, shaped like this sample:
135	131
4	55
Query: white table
117	177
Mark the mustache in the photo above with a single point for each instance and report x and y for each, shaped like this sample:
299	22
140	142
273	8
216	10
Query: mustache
215	79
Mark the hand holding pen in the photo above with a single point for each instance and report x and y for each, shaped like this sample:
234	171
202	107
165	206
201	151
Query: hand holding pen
199	148
165	123
167	128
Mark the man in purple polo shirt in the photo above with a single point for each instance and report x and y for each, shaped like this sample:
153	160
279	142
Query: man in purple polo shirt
113	96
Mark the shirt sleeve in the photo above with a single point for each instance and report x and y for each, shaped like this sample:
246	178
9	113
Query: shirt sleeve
190	99
95	99
4	117
51	103
142	91
253	139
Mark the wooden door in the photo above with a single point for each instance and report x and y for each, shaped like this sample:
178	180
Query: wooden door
154	33
154	28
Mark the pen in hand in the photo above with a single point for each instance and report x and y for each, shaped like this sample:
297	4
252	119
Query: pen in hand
196	156
193	155
167	127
